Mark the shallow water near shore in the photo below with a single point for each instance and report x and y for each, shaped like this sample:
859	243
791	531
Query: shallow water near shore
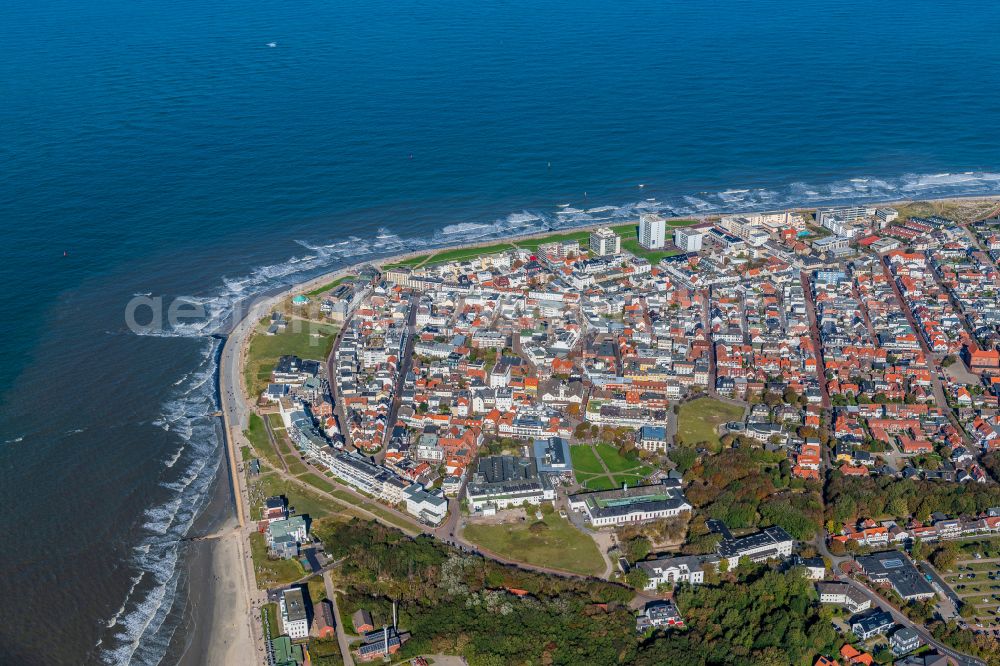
164	149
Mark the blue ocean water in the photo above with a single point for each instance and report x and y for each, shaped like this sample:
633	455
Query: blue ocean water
164	148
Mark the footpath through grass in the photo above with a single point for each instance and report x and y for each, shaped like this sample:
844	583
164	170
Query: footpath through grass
551	542
256	432
620	469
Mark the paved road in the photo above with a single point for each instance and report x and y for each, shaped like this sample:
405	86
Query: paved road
814	333
342	640
945	587
931	358
345	644
897	615
404	367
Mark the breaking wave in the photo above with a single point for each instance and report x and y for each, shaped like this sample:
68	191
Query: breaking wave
143	625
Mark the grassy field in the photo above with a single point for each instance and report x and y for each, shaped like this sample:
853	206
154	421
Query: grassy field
268	572
304	501
596	482
327	287
630	479
616	462
533	243
265	349
980	595
257	434
591	474
585	459
410	263
960	210
467	253
699	418
315	481
270	611
551	542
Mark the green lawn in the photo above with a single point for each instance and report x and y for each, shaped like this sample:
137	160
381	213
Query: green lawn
270	572
328	287
297	468
601	482
467	253
533	243
584	459
699	418
297	339
555	544
304	501
591	475
315	481
630	479
615	461
257	434
411	262
270	611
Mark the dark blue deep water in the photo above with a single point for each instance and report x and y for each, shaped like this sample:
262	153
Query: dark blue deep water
166	149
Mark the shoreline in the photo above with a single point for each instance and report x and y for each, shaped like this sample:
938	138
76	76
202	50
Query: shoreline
236	407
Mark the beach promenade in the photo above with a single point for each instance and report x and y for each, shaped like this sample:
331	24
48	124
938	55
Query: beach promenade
237	636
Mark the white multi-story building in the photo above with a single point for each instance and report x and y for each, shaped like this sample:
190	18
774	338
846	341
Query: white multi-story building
771	543
844	594
652	231
886	216
294	619
604	242
428	507
630	505
846	213
672	570
688	239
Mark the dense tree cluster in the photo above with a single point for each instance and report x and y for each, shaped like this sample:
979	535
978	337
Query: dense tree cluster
751	488
982	645
762	618
851	498
494	614
463	604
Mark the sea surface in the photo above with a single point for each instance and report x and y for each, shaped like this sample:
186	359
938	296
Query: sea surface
166	149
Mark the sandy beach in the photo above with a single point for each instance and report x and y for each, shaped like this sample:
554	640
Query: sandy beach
222	589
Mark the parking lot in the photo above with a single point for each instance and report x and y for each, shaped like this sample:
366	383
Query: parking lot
977	583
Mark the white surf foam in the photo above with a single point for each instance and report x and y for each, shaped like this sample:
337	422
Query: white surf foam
142	621
141	630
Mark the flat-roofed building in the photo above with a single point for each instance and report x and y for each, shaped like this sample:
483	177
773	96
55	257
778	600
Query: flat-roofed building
689	239
896	569
771	543
294	615
504	481
603	242
652	231
630	505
